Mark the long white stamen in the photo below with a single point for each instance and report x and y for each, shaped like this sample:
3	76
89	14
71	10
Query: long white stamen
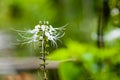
52	34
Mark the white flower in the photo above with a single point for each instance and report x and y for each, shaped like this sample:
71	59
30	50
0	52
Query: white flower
52	34
49	36
51	28
37	26
43	27
35	31
41	37
34	38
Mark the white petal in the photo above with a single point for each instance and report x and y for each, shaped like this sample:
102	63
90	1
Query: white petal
47	34
30	31
34	38
41	37
35	31
44	27
51	28
37	26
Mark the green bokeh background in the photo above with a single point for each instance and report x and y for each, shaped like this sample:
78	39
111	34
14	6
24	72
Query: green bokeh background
91	63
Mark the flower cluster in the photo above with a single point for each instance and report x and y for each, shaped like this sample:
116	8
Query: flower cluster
51	34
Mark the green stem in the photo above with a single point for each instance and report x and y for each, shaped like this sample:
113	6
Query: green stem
44	55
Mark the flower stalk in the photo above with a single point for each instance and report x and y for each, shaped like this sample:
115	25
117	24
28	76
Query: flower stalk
41	34
44	55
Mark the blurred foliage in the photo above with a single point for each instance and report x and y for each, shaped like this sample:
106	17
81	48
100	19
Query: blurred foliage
24	14
86	62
